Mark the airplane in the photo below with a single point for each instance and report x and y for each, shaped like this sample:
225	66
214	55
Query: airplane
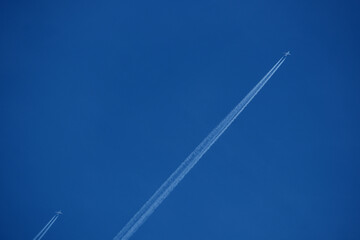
287	53
59	212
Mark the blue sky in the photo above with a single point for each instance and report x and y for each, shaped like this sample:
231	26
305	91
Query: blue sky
101	101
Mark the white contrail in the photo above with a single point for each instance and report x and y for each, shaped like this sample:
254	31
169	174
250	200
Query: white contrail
46	228
156	199
41	236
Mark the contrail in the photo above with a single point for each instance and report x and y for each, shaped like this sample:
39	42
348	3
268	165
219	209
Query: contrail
45	231
47	227
156	199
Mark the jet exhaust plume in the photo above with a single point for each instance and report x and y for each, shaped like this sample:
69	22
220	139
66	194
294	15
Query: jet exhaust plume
43	231
165	189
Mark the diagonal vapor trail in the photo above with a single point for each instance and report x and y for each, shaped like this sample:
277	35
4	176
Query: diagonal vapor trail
165	189
44	228
43	231
47	229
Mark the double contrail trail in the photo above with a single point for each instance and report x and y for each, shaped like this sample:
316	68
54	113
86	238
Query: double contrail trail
47	226
165	189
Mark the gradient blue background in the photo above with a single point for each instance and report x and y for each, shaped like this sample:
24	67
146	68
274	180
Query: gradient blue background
101	100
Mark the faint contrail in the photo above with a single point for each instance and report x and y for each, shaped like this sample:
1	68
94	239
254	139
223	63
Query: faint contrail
47	226
156	199
45	231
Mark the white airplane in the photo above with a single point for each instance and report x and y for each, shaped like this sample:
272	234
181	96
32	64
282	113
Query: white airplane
59	212
287	53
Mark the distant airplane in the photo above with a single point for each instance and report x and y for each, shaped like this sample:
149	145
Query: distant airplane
59	213
287	53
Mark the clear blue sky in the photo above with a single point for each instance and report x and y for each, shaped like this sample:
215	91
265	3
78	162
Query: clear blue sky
101	100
